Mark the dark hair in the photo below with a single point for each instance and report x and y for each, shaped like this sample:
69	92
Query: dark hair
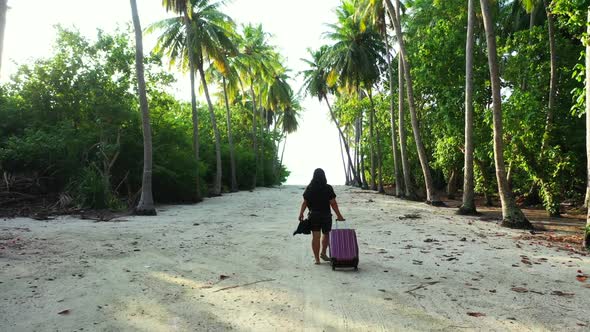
319	178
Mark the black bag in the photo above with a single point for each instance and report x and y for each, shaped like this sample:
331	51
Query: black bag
304	227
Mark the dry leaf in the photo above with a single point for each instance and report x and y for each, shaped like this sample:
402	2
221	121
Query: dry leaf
581	277
64	312
560	293
520	289
476	314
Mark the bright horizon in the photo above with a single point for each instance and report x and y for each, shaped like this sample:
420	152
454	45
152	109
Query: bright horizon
30	35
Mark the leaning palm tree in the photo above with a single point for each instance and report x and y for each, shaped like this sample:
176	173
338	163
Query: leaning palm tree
315	84
512	216
393	10
146	202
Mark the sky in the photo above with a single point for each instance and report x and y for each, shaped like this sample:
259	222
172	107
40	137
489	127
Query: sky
294	26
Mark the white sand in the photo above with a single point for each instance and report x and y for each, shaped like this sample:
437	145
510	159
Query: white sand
163	273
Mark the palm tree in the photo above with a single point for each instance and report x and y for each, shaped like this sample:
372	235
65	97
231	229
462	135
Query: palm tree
410	193
399	185
146	202
468	206
207	38
171	40
230	79
315	84
512	216
3	10
255	62
230	83
288	122
430	194
354	59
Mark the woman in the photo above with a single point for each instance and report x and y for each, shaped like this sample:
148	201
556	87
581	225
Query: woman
318	197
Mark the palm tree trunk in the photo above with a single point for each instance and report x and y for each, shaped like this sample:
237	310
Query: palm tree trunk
346	180
3	10
587	42
376	137
194	112
364	183
468	205
342	137
399	187
217	185
410	193
380	188
372	141
261	145
430	193
512	216
232	158
553	79
283	152
146	202
254	136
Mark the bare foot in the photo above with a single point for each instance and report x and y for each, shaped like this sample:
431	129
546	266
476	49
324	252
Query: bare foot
317	262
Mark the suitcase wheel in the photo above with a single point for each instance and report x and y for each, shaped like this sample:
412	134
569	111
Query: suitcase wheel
356	268
333	267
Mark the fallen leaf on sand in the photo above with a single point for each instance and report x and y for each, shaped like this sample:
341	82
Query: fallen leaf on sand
520	289
560	293
64	312
581	277
476	314
222	277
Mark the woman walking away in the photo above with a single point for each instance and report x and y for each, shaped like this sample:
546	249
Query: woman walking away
318	197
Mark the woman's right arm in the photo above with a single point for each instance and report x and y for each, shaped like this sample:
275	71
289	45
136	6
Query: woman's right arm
303	207
334	206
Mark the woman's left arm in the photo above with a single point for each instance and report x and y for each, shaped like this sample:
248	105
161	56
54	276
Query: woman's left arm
303	207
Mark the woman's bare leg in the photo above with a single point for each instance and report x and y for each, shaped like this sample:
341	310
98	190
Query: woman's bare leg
315	246
325	243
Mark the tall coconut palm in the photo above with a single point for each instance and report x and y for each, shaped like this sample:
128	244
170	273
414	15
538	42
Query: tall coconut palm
176	49
208	41
315	84
399	184
468	205
146	201
410	192
512	216
431	197
288	122
254	64
354	59
230	83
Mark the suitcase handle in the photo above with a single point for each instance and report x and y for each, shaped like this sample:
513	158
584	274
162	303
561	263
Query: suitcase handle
336	221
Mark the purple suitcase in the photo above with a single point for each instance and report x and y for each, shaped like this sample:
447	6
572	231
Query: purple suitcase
344	249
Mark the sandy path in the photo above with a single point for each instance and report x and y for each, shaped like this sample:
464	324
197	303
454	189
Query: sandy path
164	273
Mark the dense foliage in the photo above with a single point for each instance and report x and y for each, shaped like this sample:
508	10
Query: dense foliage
543	132
72	123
